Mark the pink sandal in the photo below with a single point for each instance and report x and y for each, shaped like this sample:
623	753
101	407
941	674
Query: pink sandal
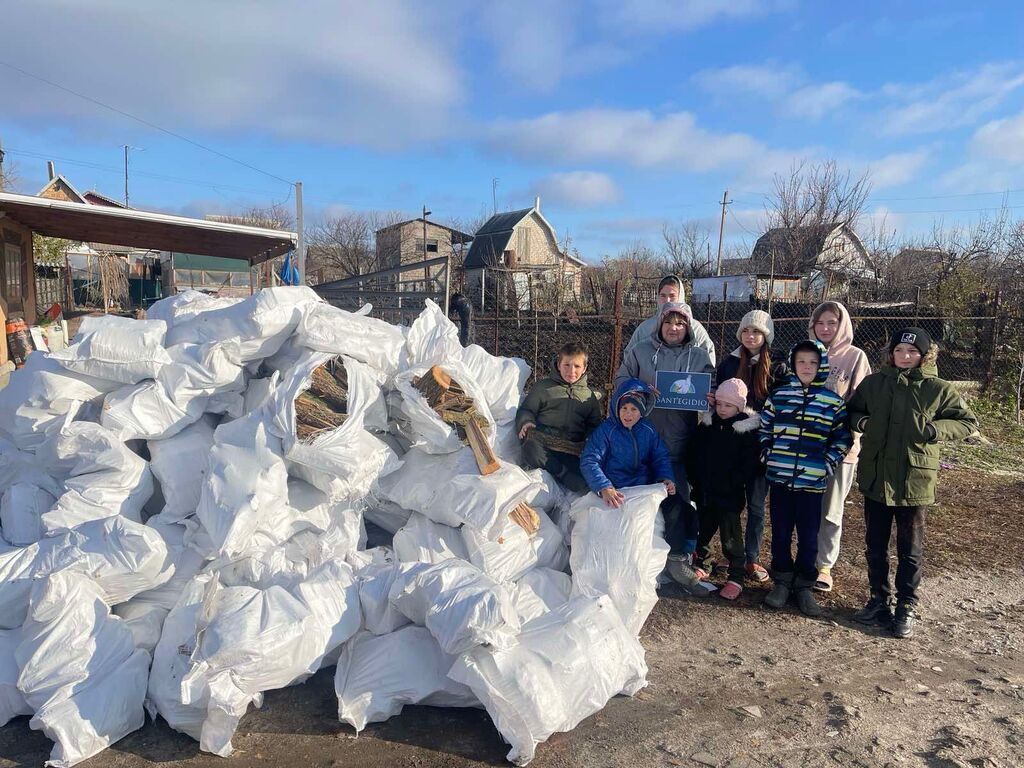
731	590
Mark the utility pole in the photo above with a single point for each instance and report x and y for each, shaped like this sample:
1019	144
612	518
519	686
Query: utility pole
125	175
1	165
494	196
300	227
425	214
721	230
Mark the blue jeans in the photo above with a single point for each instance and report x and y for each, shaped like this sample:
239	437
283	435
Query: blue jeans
801	511
757	492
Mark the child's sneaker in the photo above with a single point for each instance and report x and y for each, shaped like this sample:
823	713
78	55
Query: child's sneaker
756	572
678	567
721	568
700	571
731	590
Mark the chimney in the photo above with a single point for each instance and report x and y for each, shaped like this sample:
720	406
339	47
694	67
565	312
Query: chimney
49	170
536	203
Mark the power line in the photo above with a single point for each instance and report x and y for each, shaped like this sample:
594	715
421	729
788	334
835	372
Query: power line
738	222
147	123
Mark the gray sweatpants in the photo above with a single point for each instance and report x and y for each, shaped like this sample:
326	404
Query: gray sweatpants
832	504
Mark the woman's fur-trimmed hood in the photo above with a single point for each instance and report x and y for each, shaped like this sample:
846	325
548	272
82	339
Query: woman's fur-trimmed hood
751	421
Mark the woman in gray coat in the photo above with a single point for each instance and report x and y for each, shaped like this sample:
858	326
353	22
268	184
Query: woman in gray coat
671	347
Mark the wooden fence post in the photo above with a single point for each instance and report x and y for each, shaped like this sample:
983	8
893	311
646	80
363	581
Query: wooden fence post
614	358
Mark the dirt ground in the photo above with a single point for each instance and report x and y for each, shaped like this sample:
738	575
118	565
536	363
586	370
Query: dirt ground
730	684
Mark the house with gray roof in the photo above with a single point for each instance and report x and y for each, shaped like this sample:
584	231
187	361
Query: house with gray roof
515	256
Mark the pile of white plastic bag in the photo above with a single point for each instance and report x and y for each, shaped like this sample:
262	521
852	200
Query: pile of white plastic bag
170	546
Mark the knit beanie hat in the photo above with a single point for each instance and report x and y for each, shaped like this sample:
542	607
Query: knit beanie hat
732	391
759	320
632	398
919	337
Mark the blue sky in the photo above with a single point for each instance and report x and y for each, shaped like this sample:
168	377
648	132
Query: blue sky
621	115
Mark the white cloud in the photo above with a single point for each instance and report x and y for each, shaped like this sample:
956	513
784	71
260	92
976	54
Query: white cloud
813	102
634	137
950	101
1001	140
327	71
764	80
577	189
663	16
897	168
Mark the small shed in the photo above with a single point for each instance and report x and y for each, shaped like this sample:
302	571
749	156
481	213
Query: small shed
206	274
23	215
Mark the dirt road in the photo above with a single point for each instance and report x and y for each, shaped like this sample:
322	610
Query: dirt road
730	685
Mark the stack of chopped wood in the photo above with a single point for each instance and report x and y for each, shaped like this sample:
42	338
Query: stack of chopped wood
324	406
526	517
457	408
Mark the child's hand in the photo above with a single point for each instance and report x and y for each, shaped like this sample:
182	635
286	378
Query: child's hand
670	486
612	497
526	429
710	398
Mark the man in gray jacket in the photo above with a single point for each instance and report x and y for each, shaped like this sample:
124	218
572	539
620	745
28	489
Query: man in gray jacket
671	347
670	290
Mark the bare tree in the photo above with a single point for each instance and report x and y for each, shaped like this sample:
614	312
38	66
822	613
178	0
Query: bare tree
685	249
812	196
345	245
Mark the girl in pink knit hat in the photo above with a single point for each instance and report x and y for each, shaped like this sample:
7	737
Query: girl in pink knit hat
723	458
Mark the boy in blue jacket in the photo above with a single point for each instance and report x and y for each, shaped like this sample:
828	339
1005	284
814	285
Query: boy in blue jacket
625	450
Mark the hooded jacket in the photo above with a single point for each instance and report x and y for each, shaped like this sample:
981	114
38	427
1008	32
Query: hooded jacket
616	457
904	415
650	326
804	430
652	355
570	411
849	365
723	458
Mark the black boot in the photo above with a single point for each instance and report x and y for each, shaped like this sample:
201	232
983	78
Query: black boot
906	615
805	601
877	611
779	595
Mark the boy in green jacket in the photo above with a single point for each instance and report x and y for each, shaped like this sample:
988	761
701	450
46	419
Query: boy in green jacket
557	417
904	411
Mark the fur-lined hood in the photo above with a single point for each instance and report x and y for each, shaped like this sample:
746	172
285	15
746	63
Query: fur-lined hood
751	420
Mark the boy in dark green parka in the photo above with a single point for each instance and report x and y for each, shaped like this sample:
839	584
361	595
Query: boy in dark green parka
557	417
904	411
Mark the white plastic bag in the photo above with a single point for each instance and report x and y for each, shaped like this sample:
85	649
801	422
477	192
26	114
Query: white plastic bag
507	556
180	464
41	397
116	349
422	540
80	670
566	666
261	323
615	551
22	507
501	380
541	591
343	462
550	544
460	605
449	489
248	641
378	675
432	338
12	702
246	485
376	570
123	557
367	339
101	475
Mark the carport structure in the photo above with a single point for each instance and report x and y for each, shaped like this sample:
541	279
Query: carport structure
23	215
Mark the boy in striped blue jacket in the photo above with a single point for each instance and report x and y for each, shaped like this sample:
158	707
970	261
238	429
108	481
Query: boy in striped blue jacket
804	436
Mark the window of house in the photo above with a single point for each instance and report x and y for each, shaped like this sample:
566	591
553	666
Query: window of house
431	245
13	288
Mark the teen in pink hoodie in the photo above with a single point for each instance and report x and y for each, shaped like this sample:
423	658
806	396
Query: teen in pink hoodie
830	324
